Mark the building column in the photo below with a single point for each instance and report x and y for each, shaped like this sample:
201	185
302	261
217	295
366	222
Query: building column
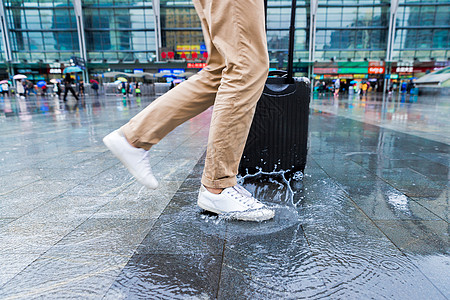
81	37
391	39
157	16
6	39
312	37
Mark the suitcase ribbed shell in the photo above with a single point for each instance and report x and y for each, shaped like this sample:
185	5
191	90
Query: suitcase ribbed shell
278	135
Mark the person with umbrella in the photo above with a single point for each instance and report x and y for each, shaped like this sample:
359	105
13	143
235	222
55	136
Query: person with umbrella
56	87
21	88
20	91
5	87
43	86
94	86
68	87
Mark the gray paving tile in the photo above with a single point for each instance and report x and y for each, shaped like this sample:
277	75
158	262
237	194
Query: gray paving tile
6	221
260	263
436	267
66	209
166	276
380	201
411	182
65	275
138	202
184	231
418	236
33	236
12	264
104	237
352	256
439	205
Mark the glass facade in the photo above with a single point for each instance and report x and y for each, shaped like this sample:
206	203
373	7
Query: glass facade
422	30
2	59
42	30
353	30
181	30
124	32
278	20
119	30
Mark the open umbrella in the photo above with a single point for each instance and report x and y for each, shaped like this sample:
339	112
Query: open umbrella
117	82
72	70
55	81
122	79
4	81
41	83
93	81
19	76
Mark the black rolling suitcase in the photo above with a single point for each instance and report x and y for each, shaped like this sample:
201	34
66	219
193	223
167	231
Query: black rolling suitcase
278	135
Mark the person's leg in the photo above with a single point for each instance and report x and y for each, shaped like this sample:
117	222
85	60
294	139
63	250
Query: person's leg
238	32
131	142
74	93
66	90
179	104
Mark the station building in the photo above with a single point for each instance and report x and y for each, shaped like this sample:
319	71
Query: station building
370	40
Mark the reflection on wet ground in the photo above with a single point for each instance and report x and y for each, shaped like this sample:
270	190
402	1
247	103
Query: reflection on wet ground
423	116
369	220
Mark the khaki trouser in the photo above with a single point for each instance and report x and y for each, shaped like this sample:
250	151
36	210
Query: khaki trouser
233	81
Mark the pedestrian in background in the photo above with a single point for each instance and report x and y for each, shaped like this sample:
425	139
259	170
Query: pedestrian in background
57	89
81	88
95	87
364	88
68	87
337	86
21	88
232	81
5	89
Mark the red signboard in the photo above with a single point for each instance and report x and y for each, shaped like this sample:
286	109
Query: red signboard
376	70
196	65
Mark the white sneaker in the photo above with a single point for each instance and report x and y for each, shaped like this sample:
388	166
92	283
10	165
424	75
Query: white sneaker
236	202
134	159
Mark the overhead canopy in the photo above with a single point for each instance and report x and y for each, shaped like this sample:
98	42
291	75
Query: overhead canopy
114	74
437	78
129	75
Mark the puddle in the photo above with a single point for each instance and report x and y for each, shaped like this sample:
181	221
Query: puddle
274	190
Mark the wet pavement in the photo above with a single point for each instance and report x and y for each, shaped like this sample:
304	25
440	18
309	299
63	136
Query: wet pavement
369	220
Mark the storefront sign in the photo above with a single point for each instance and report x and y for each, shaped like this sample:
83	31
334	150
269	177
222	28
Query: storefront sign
346	76
376	63
404	70
353	70
325	70
196	65
171	71
376	70
360	76
55	71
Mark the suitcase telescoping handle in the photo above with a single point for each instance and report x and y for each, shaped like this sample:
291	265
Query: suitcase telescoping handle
290	66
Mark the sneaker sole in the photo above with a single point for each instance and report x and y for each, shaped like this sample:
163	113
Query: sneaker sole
235	215
116	153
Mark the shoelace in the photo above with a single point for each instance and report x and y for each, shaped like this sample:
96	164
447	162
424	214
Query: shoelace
244	196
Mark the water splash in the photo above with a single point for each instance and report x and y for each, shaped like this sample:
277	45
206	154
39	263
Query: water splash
257	183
